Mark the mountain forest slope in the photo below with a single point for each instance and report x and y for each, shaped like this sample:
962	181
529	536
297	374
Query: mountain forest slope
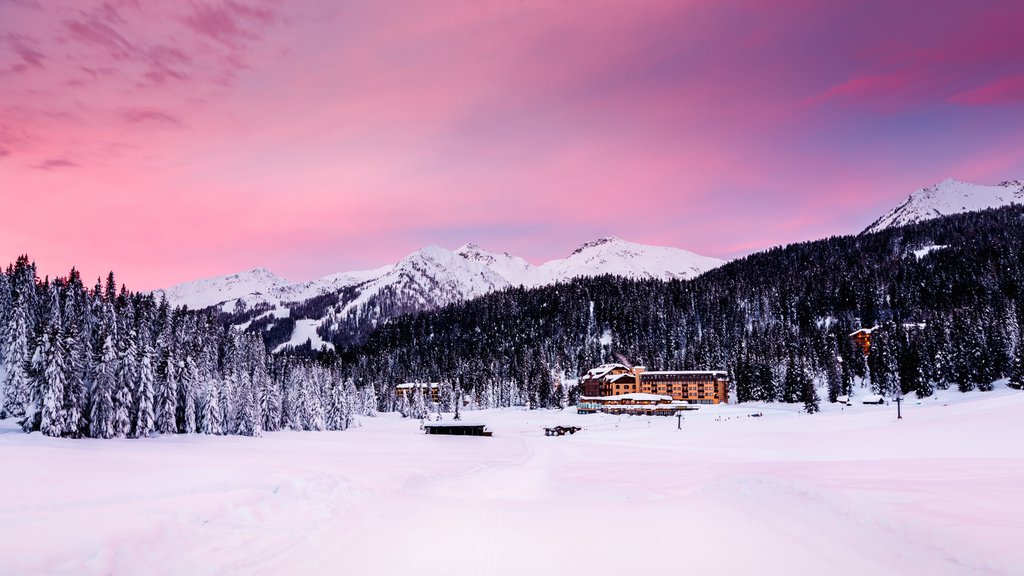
944	294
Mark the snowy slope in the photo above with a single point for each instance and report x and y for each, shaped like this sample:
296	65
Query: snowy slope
849	491
950	197
426	279
252	286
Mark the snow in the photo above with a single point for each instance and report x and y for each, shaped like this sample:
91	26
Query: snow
950	197
253	286
851	490
305	330
927	250
410	385
612	255
635	396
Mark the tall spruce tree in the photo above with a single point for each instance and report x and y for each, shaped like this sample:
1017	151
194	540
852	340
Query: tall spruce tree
101	415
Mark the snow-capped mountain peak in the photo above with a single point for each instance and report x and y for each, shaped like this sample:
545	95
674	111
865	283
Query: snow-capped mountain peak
950	197
599	242
613	255
515	270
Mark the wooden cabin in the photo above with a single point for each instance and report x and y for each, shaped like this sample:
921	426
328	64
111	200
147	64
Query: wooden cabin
862	339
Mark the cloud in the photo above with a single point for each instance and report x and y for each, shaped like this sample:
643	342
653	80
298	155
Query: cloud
149	115
1004	90
227	22
54	163
4	152
94	31
24	47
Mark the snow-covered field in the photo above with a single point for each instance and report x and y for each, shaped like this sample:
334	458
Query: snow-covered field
848	491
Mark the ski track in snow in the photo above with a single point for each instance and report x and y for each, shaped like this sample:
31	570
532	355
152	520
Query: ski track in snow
848	491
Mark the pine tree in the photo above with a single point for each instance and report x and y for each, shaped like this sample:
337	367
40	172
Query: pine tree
166	398
1017	366
211	420
792	384
101	416
145	419
808	394
187	382
882	365
53	356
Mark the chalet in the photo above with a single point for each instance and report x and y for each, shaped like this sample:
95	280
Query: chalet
405	390
862	339
693	386
872	399
596	381
636	403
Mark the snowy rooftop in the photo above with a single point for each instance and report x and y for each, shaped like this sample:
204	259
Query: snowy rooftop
687	372
635	396
408	385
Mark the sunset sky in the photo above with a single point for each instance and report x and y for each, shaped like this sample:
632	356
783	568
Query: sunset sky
175	140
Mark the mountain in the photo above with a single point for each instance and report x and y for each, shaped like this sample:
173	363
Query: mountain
617	257
949	197
345	307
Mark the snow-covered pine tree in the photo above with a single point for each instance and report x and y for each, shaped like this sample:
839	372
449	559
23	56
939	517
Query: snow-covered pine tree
882	365
211	413
165	395
188	380
808	394
17	338
126	375
101	414
312	401
145	419
1017	366
349	396
247	419
418	404
792	384
53	355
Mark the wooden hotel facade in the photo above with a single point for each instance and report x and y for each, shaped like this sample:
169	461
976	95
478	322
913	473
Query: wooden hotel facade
692	386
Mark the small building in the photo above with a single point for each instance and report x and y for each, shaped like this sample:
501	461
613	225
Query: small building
862	339
405	390
456	429
596	381
637	403
872	399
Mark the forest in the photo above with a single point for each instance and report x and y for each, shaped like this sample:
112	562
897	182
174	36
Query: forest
102	363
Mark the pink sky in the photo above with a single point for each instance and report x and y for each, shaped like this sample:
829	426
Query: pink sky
175	140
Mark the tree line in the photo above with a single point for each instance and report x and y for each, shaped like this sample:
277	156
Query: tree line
102	363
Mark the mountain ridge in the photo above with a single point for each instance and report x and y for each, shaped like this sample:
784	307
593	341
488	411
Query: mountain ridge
355	302
949	196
